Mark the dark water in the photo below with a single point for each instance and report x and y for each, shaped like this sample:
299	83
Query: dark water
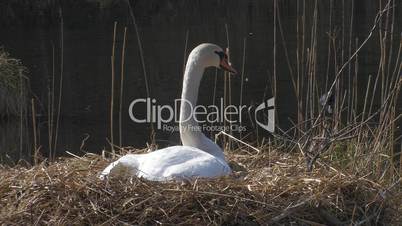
163	26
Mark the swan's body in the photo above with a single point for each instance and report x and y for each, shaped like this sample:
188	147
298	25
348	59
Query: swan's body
172	163
199	157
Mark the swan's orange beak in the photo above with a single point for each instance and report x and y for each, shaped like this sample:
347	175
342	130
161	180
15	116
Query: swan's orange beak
225	65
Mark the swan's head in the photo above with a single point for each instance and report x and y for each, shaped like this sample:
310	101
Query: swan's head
211	55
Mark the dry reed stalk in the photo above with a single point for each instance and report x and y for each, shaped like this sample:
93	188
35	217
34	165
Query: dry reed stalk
343	33
239	141
226	85
336	69
112	60
123	55
364	107
329	44
303	48
355	83
274	46
391	41
274	94
285	48
398	62
339	72
374	90
230	100
185	51
393	79
49	130
61	81
298	68
310	68
382	55
34	130
21	108
214	93
387	48
350	85
50	106
147	87
314	82
303	52
242	78
379	135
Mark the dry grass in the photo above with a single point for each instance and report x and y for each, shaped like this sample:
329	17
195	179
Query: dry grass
13	84
265	189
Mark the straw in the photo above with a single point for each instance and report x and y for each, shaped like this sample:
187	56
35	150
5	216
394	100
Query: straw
263	189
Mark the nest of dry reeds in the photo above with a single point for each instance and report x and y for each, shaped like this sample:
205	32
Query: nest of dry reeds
271	189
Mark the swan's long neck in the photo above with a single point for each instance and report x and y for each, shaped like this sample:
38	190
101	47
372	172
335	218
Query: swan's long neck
190	133
189	95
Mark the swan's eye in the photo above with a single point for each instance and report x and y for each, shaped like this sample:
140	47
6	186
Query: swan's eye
221	55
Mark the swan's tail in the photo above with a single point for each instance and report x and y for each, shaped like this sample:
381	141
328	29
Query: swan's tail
127	165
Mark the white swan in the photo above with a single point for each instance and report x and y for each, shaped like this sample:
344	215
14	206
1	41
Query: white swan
199	157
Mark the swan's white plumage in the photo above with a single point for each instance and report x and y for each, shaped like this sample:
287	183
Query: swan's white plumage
199	157
172	163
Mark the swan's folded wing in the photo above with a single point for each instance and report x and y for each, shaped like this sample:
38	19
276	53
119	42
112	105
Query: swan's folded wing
125	166
205	166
